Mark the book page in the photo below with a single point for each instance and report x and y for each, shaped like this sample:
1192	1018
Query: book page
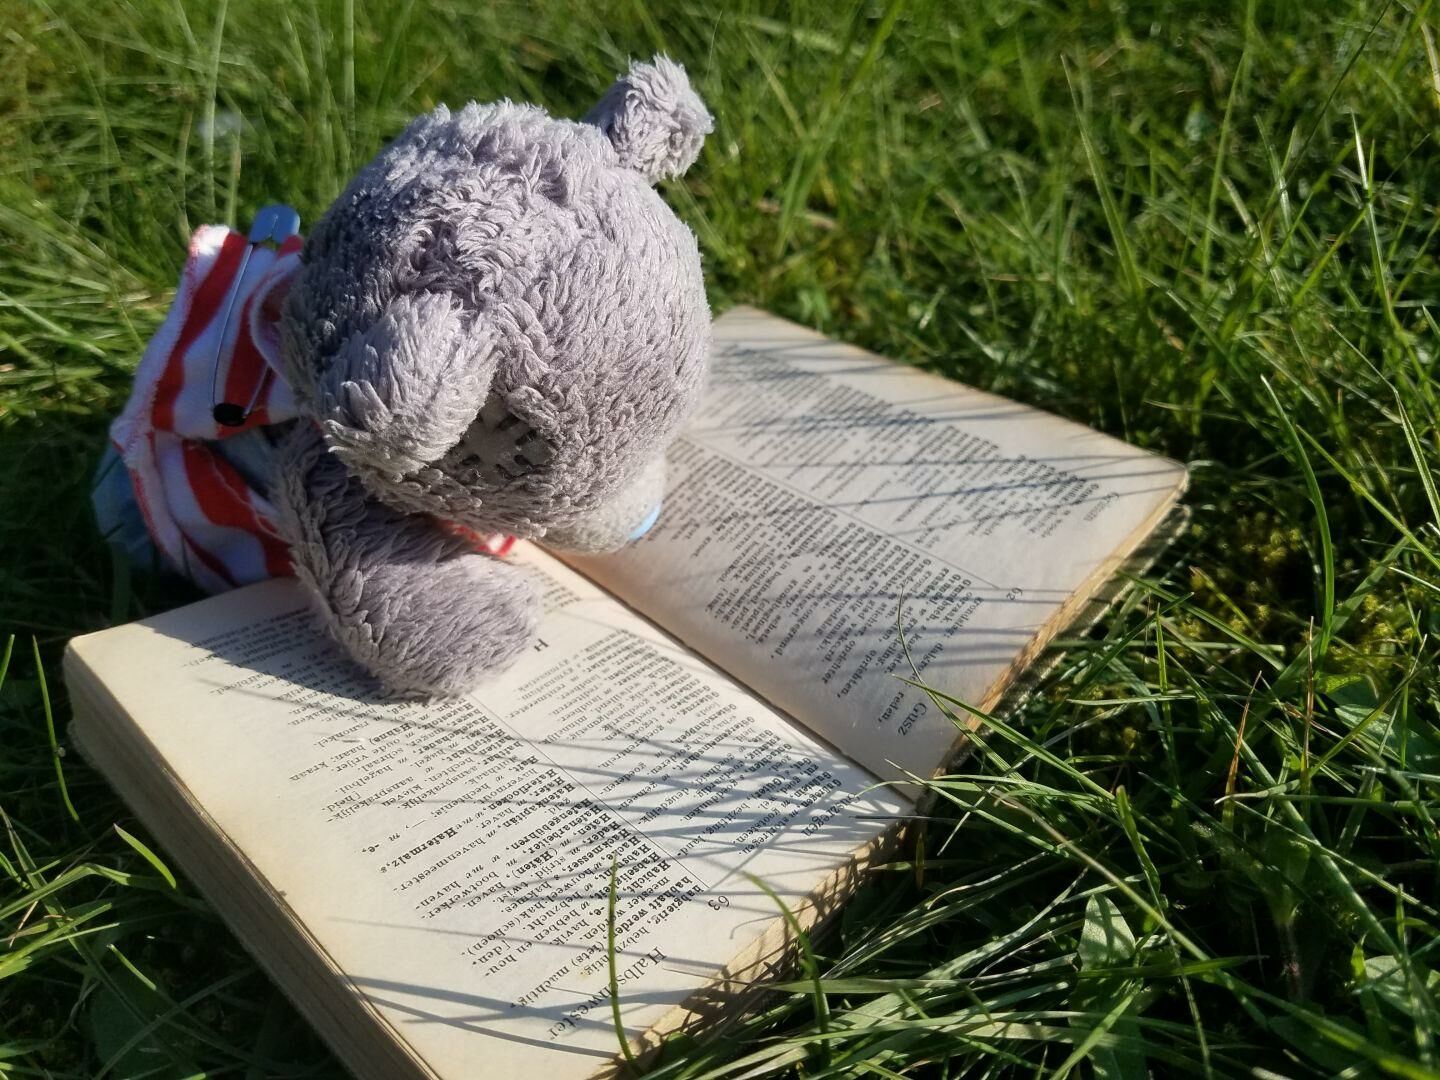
453	859
825	498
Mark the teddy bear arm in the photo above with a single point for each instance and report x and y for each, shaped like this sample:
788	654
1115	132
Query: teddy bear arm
409	602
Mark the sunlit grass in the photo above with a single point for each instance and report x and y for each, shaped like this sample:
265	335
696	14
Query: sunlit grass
1208	842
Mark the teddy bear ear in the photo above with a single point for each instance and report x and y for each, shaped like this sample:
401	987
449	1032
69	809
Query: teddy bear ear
654	119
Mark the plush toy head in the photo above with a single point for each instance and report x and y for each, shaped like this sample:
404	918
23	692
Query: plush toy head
501	323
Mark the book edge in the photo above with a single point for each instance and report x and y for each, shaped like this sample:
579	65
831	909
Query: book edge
771	952
1094	592
144	795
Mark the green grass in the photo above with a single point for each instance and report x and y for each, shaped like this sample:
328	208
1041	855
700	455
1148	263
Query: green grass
1209	843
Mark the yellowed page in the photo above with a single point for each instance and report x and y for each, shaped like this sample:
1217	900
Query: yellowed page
453	859
822	492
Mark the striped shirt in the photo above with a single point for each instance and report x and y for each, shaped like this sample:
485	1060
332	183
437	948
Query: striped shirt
206	512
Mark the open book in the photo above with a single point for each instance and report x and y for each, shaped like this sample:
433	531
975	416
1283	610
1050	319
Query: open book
718	703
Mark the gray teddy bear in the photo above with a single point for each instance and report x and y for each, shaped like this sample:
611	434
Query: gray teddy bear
496	330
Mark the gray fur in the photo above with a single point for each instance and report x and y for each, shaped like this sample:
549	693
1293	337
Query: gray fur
415	605
396	396
499	324
612	523
653	119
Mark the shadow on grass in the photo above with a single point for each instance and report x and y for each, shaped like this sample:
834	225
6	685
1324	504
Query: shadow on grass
58	577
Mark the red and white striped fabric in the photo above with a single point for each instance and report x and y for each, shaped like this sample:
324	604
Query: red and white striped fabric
207	519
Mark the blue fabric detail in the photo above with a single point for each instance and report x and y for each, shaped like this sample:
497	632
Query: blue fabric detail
118	514
646	525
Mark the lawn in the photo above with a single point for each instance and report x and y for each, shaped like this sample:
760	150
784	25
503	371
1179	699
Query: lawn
1207	843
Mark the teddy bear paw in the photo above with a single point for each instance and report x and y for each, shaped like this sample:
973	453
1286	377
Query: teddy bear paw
435	630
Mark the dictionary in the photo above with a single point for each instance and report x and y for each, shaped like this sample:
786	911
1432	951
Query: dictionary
731	714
